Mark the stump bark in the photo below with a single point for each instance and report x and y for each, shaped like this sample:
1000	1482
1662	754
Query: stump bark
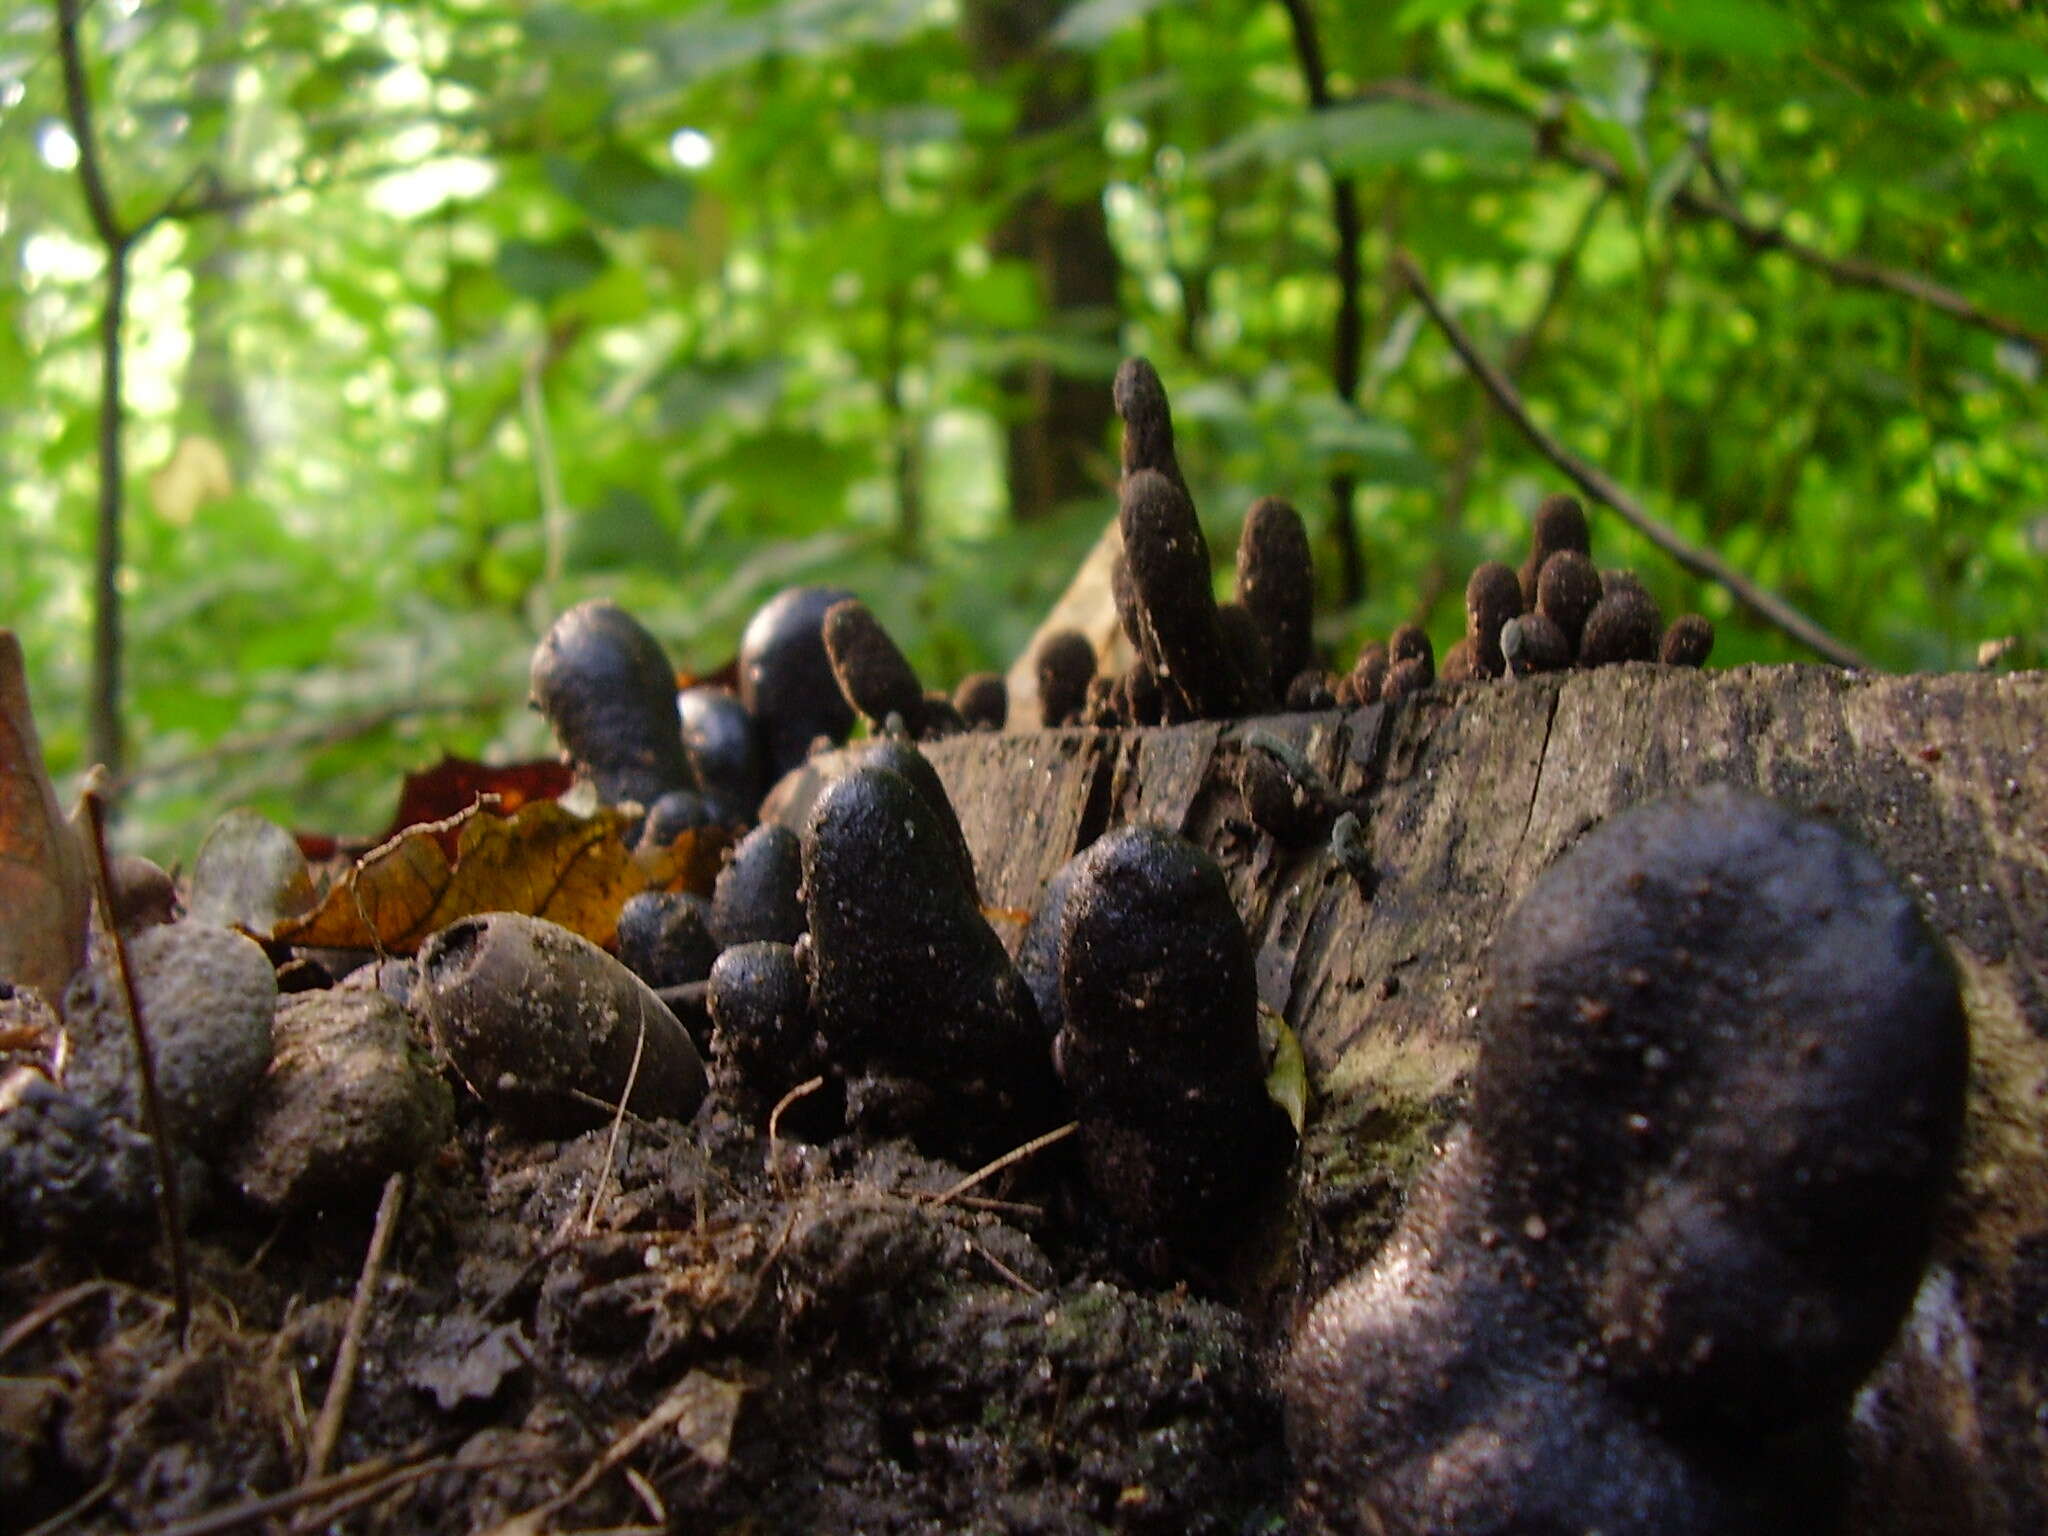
1466	795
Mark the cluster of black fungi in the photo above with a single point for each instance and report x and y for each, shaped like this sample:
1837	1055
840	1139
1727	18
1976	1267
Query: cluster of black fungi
1717	1099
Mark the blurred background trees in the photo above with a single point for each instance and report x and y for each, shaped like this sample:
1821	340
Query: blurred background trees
441	316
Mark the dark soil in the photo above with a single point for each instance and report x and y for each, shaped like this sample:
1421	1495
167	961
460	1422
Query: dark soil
827	1347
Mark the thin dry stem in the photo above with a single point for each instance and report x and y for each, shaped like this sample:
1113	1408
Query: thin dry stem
1010	1158
327	1428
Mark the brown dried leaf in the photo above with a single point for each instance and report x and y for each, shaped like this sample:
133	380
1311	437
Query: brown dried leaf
545	861
43	890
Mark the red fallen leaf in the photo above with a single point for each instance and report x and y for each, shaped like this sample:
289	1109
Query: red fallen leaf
445	791
43	889
454	784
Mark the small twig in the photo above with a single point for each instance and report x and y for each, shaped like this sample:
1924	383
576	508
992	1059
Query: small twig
1003	1269
808	1086
169	1209
50	1308
611	1145
1009	1159
308	733
66	1518
327	1428
378	1474
1766	605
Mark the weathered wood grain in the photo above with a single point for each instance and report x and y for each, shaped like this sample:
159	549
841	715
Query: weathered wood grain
1467	795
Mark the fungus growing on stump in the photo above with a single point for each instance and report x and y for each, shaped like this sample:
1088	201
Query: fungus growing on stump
1623	626
1532	643
1158	1045
786	678
724	750
1688	642
920	1009
875	676
755	897
1066	665
1181	635
1716	1107
1141	404
1492	597
1566	593
1560	523
609	693
983	701
1276	583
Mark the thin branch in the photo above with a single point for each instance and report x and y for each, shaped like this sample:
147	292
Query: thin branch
104	714
327	1428
1766	605
1851	271
1347	351
1009	1159
1472	439
170	1214
309	733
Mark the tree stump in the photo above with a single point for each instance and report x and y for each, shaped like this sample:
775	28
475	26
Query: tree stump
1466	794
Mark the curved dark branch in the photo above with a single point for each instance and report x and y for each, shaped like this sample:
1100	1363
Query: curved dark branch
1766	605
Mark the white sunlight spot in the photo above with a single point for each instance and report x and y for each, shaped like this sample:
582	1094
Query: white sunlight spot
690	149
59	150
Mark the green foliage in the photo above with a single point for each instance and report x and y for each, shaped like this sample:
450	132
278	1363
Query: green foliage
489	307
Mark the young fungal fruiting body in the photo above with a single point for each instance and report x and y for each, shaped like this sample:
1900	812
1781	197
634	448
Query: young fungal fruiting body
724	750
1276	584
1623	626
1566	592
1158	1044
921	1012
763	1040
875	676
983	701
1716	1107
607	689
1493	595
665	937
756	896
1688	642
1065	664
1180	634
1560	523
1141	404
786	679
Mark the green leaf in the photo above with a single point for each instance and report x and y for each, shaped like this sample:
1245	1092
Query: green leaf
622	530
1417	14
544	270
618	187
1375	134
1739	28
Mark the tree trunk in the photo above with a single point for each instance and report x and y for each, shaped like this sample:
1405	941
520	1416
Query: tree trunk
1471	793
1061	420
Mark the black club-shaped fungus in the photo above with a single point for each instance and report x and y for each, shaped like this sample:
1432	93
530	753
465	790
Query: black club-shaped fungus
875	676
1716	1108
1367	679
1065	665
903	758
1247	647
1276	583
675	813
1311	688
1411	662
1493	595
920	1009
1168	564
665	937
1623	626
1158	1044
756	895
1566	593
1560	523
786	678
1688	642
983	700
724	748
609	693
1141	403
763	1040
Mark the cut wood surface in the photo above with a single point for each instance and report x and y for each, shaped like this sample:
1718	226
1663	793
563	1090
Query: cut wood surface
1467	794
